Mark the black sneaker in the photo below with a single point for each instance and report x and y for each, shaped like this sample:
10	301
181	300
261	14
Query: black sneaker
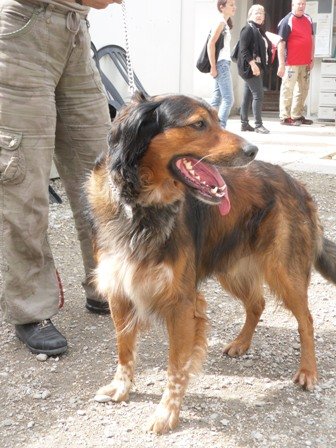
97	306
246	127
261	130
42	337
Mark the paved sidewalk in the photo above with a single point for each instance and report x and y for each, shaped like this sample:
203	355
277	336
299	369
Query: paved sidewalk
303	148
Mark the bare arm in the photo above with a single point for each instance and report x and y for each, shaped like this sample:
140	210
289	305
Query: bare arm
215	33
281	58
99	4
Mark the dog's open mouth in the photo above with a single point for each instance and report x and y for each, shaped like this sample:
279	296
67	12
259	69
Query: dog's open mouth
205	182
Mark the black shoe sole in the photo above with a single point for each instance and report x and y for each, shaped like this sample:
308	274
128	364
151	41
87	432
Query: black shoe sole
55	351
96	307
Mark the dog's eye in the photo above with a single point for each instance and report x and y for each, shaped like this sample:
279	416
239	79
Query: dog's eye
199	124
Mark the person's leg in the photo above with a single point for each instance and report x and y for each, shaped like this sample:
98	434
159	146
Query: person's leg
30	292
244	108
286	92
27	116
257	89
216	97
300	92
225	86
83	125
256	86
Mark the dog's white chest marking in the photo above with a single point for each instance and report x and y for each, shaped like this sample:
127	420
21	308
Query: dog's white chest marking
118	275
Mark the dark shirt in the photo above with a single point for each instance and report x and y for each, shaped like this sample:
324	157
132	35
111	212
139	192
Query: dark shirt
253	46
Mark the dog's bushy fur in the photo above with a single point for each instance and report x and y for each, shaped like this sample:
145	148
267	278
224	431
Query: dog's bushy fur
159	232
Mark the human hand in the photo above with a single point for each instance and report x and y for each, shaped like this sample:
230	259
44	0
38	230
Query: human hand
281	71
99	4
213	72
255	68
256	71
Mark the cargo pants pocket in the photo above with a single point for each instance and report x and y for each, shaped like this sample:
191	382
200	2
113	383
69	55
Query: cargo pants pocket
12	161
16	22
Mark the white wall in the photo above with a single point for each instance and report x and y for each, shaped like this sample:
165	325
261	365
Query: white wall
198	19
154	36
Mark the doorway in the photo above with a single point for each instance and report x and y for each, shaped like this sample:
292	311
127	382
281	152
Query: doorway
275	11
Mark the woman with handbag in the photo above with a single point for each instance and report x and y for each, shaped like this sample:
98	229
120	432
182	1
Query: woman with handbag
222	97
255	53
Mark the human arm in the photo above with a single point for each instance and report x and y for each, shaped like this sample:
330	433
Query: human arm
214	36
99	4
284	31
281	58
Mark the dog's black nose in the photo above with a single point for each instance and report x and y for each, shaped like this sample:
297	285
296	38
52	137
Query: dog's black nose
250	150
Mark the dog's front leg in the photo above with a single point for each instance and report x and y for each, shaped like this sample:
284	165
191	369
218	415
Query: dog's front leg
187	348
126	332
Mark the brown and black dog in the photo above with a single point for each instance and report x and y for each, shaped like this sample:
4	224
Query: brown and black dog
171	204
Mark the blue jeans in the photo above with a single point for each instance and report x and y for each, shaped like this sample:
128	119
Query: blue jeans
222	97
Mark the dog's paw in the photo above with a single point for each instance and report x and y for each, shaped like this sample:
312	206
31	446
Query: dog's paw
236	348
163	420
306	378
118	390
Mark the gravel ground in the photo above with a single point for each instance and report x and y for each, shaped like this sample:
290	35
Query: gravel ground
245	402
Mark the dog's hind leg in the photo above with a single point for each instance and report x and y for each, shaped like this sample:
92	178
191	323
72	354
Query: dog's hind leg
187	325
126	332
248	289
293	292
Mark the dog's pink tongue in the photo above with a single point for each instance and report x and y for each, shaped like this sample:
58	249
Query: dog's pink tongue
224	206
213	177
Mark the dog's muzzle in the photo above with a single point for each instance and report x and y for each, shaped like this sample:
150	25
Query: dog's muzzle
250	150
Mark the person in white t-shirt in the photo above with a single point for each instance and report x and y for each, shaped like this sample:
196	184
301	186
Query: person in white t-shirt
222	97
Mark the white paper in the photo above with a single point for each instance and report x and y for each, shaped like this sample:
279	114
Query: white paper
274	38
323	35
312	10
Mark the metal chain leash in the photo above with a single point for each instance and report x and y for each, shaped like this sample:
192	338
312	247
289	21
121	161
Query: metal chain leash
130	74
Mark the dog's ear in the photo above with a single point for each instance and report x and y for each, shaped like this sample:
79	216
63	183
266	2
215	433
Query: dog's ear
131	134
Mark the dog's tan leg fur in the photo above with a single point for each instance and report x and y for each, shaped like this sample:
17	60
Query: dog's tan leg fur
187	349
306	375
121	384
293	292
249	291
242	342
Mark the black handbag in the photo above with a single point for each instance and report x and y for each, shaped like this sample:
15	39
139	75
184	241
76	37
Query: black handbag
203	63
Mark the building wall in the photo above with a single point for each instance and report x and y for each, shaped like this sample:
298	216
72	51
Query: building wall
154	35
165	41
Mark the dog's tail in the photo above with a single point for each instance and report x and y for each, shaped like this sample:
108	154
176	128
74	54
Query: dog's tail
325	262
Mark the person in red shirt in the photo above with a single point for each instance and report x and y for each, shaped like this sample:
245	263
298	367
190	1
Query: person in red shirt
296	59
